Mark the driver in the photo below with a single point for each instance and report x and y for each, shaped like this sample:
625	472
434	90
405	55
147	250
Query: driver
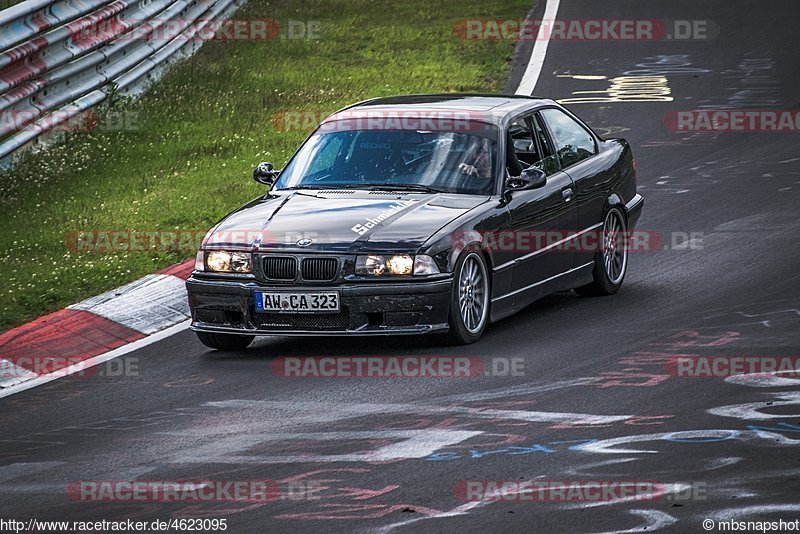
478	161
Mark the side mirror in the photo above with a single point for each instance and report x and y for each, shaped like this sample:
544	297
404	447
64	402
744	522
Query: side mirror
531	178
265	173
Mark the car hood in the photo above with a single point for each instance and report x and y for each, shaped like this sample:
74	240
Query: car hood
346	222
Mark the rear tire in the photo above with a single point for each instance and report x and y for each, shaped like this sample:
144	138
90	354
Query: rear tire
611	260
469	301
224	341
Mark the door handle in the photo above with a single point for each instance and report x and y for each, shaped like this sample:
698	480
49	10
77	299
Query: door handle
567	194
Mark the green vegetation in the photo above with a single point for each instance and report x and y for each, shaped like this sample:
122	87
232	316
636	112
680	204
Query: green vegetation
200	131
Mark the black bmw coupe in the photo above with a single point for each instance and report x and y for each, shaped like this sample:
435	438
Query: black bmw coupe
420	214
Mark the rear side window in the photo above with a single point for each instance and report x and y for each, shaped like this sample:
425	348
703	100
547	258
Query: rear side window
573	142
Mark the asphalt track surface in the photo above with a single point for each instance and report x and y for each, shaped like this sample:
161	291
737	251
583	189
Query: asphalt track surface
594	403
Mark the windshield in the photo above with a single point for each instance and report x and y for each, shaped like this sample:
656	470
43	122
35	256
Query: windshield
452	162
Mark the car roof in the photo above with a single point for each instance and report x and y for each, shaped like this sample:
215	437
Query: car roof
491	108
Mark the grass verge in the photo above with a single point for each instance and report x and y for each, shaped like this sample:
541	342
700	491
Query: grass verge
183	156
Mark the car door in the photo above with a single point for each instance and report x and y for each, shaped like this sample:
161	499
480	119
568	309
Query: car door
541	217
591	172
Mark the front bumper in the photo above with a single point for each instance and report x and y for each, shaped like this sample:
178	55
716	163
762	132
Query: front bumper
367	309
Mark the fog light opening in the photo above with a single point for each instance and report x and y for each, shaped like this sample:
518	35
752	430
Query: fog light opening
233	317
375	319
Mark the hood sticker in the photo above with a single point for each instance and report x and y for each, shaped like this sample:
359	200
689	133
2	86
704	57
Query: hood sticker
394	209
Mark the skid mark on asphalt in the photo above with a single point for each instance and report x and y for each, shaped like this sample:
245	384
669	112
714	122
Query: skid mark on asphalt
767	319
752	85
666	64
19	470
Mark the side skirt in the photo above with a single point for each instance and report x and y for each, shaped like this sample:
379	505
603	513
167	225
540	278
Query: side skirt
576	277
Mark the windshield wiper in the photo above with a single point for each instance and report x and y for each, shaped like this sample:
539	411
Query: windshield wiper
312	187
405	187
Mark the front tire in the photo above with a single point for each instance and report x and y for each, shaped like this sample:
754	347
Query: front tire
611	261
224	341
469	301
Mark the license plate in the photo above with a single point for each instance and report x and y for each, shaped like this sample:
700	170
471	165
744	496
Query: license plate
327	302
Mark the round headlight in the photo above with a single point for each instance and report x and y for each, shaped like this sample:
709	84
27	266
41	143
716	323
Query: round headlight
219	260
374	264
400	264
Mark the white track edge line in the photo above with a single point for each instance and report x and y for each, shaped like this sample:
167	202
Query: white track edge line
531	76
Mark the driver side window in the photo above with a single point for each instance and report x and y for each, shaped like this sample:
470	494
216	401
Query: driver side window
532	146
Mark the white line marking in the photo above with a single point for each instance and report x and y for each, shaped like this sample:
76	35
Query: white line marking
97	360
751	411
765	380
534	69
245	447
657	493
321	412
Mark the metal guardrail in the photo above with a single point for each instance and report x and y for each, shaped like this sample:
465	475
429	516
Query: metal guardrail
58	58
